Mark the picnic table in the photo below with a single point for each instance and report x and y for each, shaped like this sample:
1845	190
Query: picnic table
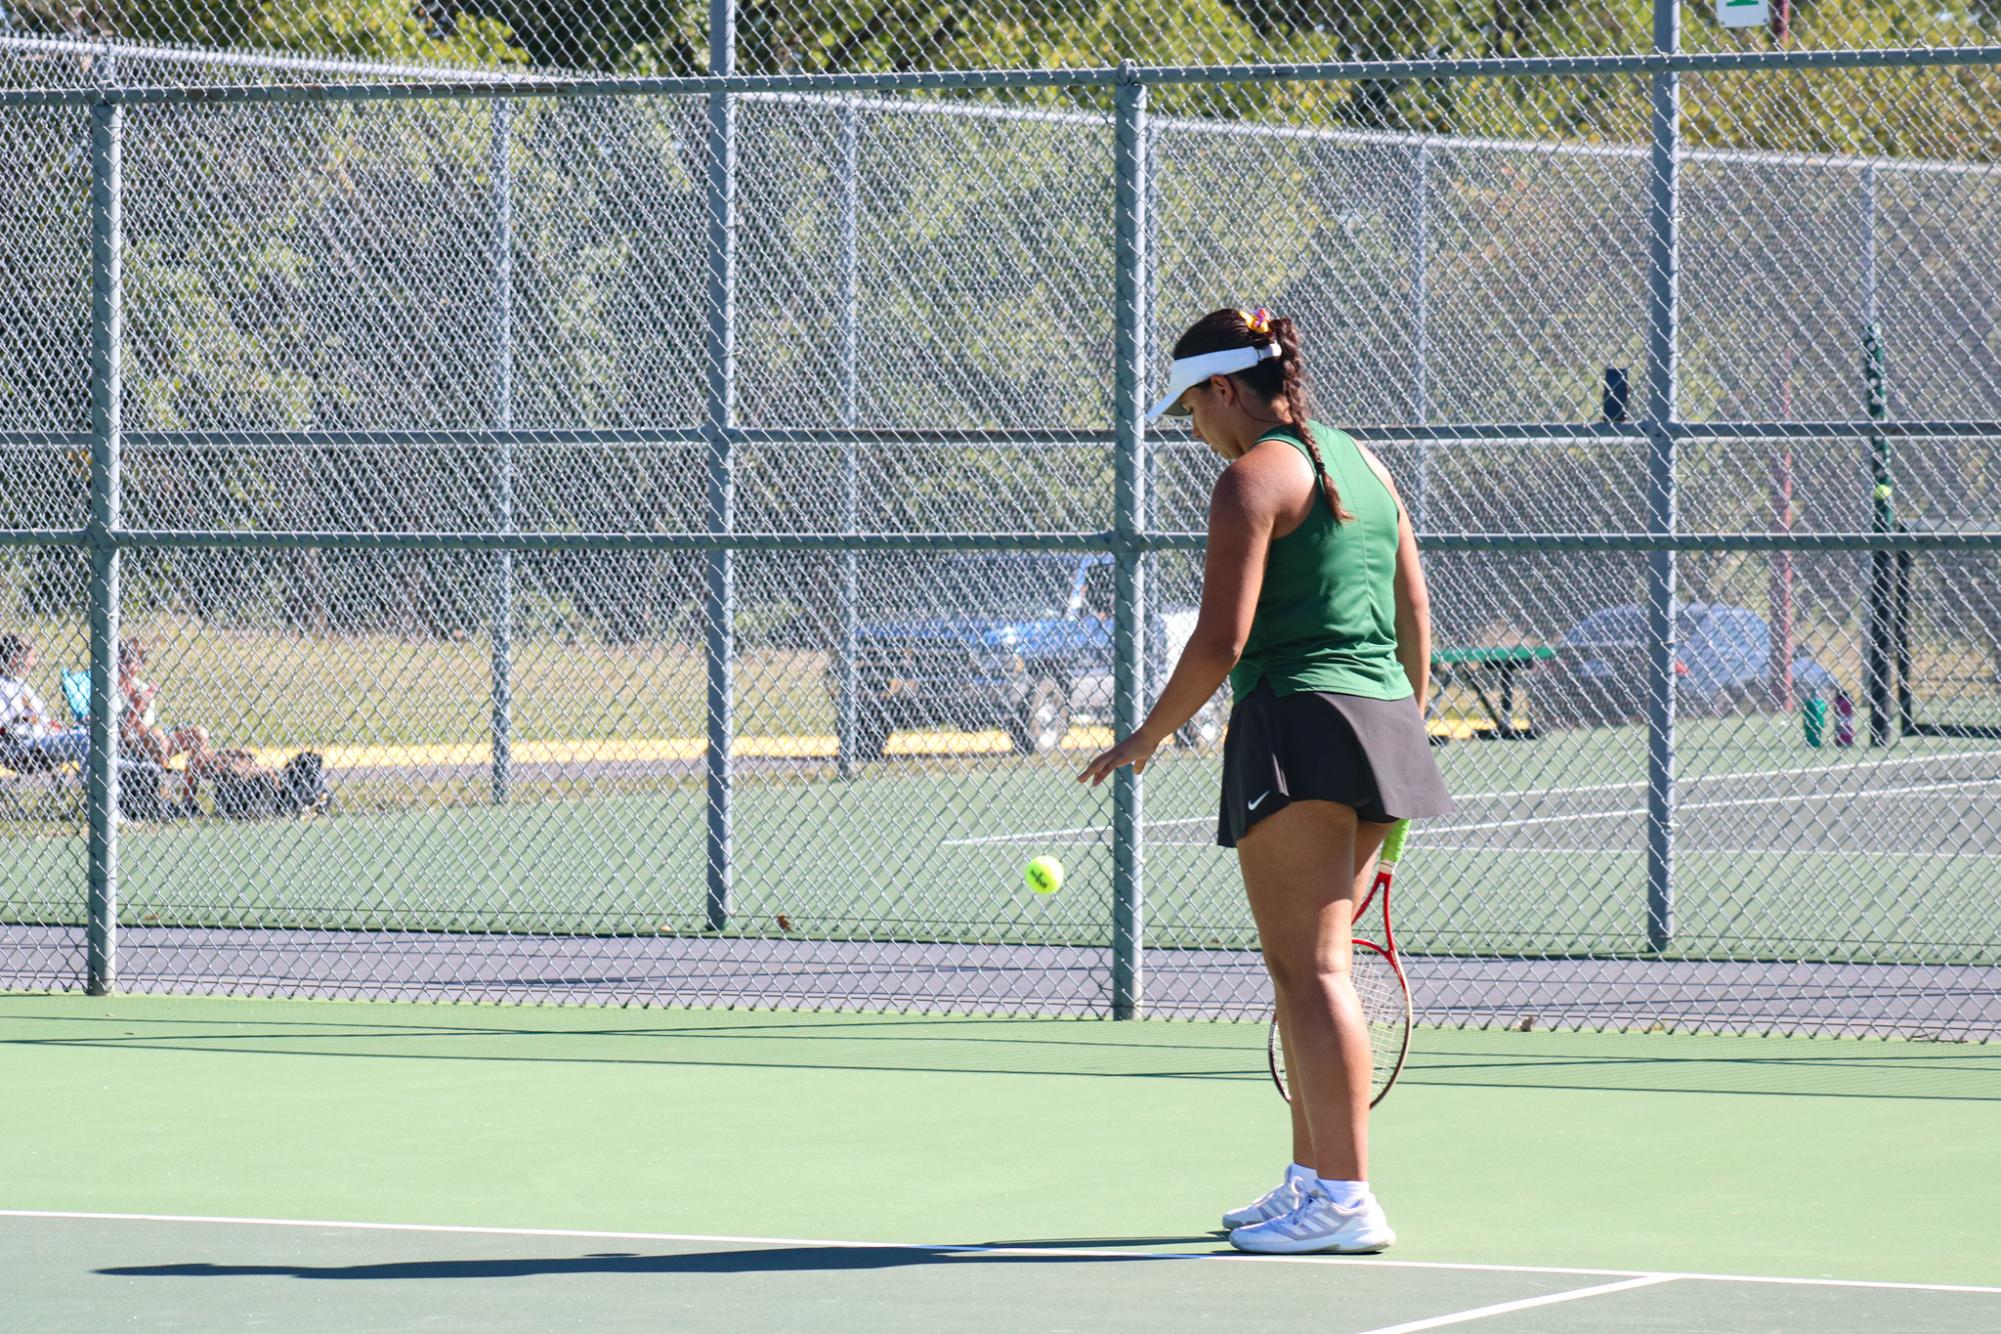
1494	675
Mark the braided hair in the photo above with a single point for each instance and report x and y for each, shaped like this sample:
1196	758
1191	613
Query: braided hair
1283	376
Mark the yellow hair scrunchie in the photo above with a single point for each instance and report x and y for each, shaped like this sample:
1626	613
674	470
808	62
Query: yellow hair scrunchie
1257	321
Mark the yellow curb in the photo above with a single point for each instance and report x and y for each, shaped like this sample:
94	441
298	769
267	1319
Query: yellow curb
1462	729
656	750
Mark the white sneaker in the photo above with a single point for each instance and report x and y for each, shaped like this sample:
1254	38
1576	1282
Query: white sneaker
1319	1224
1277	1202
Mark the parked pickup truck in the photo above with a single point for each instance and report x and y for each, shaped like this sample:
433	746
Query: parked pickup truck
1022	643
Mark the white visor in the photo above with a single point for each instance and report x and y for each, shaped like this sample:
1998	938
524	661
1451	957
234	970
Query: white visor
1187	372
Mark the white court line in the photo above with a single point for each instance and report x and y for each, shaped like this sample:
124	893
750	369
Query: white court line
1566	850
1523	1304
1790	771
1720	803
1636	785
1036	835
1084	1252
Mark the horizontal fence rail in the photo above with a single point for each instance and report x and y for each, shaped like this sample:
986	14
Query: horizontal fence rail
642	437
452	85
203	539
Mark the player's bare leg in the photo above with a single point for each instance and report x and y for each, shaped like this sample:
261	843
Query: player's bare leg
1298	867
1301	867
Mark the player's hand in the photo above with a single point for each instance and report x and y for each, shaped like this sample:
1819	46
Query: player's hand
1135	750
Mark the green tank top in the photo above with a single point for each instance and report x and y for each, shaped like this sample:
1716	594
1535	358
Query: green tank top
1326	617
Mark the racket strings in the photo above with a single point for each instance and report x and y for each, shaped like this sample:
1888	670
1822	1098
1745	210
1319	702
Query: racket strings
1386	1010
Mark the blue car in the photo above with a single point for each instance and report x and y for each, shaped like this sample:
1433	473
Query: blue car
1722	664
1019	643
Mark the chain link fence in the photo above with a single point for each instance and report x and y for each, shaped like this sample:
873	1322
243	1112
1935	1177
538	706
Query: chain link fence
702	523
671	37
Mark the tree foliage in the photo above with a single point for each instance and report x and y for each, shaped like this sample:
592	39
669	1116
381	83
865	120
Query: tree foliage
333	268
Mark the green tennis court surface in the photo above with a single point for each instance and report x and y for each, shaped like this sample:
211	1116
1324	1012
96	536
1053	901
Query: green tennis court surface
208	1164
1543	856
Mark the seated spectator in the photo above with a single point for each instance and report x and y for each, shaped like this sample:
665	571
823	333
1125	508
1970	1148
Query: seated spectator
141	736
30	739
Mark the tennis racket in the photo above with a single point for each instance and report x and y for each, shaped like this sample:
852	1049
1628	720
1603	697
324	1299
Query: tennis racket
1378	981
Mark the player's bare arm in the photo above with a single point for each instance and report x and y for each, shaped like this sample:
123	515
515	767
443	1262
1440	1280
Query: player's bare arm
1243	509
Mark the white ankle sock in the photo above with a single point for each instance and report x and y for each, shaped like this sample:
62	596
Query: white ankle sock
1347	1194
1300	1175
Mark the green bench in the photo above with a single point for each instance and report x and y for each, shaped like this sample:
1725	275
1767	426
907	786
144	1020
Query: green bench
1494	675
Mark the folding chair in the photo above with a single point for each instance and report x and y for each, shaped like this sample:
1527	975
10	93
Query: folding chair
76	693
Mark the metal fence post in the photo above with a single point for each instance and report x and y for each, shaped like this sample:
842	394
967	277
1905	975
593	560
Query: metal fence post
1880	614
1868	239
1155	666
1420	262
107	318
849	350
1663	350
1128	426
720	602
502	414
1886	644
1896	615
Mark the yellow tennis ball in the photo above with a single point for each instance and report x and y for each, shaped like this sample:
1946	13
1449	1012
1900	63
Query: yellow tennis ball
1044	875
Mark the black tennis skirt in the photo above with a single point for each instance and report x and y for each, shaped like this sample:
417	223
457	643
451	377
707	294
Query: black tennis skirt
1372	754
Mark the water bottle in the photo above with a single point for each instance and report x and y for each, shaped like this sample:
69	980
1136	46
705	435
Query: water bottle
1813	714
1844	719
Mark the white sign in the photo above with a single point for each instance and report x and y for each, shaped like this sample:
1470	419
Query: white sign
1744	13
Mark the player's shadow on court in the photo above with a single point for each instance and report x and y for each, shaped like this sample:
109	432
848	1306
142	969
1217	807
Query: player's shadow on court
761	1260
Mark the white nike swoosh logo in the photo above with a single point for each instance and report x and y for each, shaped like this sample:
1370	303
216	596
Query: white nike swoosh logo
1253	805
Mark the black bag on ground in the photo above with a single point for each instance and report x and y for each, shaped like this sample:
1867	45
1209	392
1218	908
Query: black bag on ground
302	784
243	788
141	791
246	790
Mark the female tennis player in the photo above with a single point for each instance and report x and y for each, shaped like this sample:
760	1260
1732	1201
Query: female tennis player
1314	607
